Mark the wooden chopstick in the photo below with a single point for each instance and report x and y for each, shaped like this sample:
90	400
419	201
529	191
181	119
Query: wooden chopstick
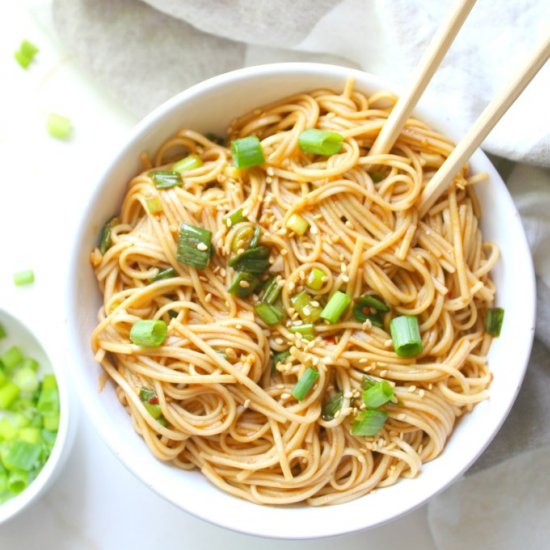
426	69
483	125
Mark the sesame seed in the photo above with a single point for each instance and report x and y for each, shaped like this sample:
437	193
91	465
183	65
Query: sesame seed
285	395
244	284
239	326
421	393
363	361
208	297
315	303
401	416
246	403
412	388
202	246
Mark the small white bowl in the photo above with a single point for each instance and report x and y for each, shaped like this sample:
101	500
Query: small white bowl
22	335
210	106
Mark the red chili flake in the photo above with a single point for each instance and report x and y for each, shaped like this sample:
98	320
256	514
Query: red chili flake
330	339
367	310
154	400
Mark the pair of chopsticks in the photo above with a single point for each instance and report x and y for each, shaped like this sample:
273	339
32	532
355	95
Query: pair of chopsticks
483	125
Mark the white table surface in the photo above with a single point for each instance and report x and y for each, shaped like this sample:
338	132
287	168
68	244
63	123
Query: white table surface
45	184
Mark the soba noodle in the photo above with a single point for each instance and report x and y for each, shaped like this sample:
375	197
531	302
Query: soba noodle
225	410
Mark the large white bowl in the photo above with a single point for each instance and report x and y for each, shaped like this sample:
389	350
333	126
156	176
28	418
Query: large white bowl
209	106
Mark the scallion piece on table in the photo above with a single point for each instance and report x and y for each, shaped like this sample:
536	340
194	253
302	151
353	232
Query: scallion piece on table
269	314
320	142
9	392
167	273
22	278
11	358
149	333
315	278
332	406
59	126
305	383
105	239
378	394
154	205
405	334
298	224
271	291
194	246
233	218
368	422
244	285
302	303
25	54
371	308
307	331
247	152
335	307
253	260
279	357
150	400
188	163
493	321
165	179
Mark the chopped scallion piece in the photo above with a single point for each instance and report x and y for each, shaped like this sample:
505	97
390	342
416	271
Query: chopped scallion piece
320	142
233	218
105	240
271	291
297	224
11	358
279	357
247	152
148	332
253	260
405	334
368	422
48	400
307	331
493	321
242	238
167	273
256	237
58	126
18	481
51	422
188	163
22	278
150	400
25	54
370	307
154	205
335	307
194	246
305	383
244	285
21	455
376	177
9	392
316	278
332	406
308	312
26	379
378	394
165	179
269	314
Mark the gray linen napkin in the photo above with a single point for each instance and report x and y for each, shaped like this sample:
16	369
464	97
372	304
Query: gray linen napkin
144	55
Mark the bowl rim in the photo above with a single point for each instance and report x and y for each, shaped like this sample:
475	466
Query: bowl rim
65	434
147	123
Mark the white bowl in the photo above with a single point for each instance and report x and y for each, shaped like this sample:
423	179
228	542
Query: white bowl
209	106
27	338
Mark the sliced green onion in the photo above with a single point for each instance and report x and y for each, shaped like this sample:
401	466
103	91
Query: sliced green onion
48	438
320	142
305	383
297	224
307	331
194	246
253	260
335	307
148	332
154	205
7	430
332	406
105	240
188	163
306	310
25	54
368	382
30	435
247	152
165	179
9	392
51	422
493	321
279	357
405	334
256	237
233	218
58	126
244	285
30	363
269	314
26	379
2	331
11	358
22	278
271	291
376	177
371	308
368	422
21	455
378	395
150	400
316	278
3	376
48	400
18	481
215	138
167	273
242	238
